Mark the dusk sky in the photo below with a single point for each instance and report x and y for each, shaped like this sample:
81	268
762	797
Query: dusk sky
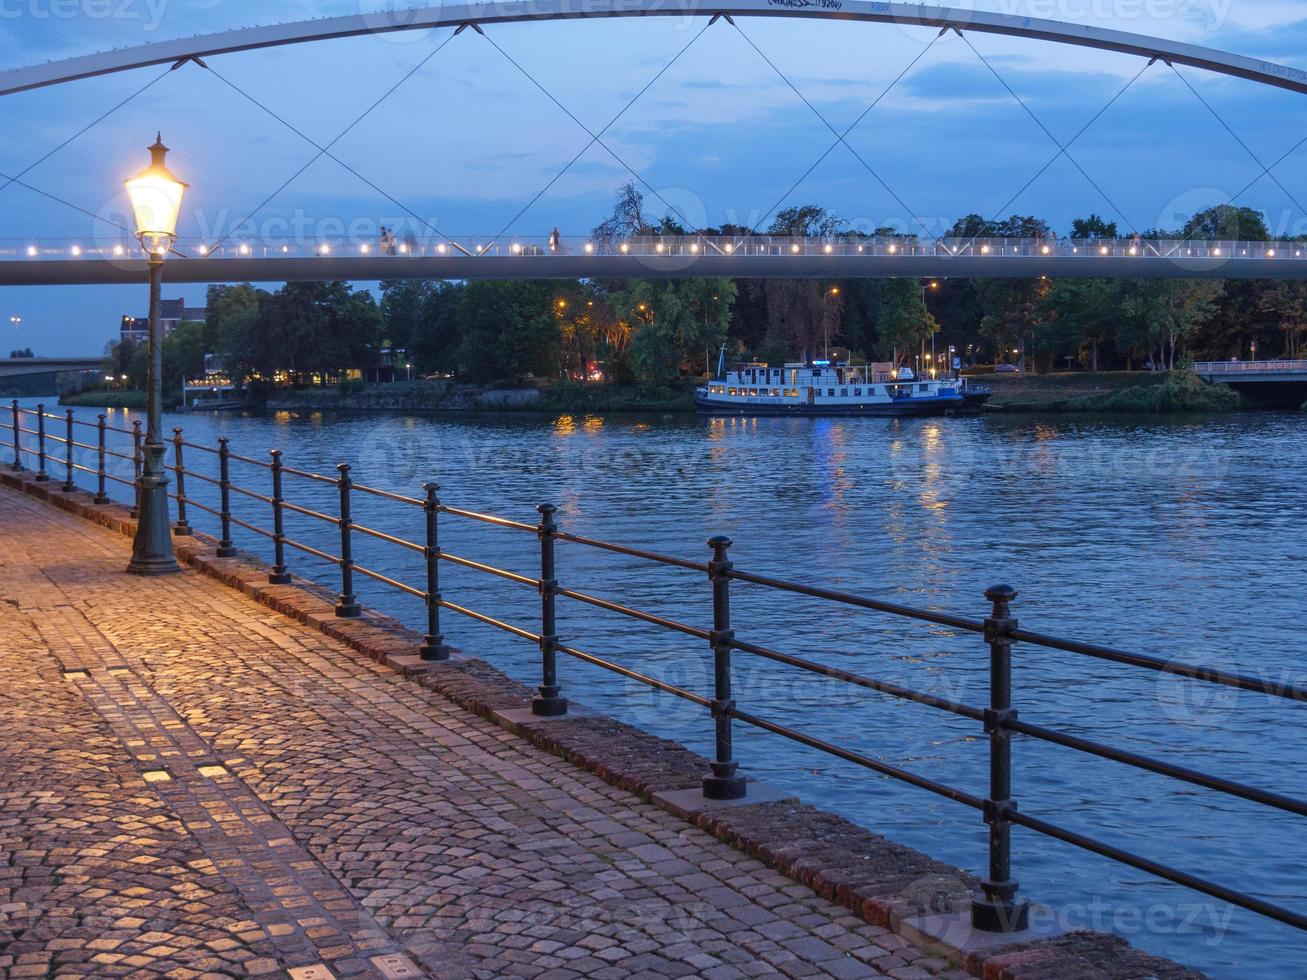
468	140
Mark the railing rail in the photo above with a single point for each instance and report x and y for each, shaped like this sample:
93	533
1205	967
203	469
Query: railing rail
997	909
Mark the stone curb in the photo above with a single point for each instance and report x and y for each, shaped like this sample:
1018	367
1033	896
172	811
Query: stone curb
885	883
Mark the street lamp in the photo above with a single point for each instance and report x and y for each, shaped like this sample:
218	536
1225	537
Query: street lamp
156	197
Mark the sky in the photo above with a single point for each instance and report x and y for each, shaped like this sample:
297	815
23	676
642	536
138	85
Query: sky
468	140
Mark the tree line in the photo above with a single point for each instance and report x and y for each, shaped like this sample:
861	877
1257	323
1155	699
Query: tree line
652	332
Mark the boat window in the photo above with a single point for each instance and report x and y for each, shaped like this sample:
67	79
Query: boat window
816	372
923	387
844	392
857	392
775	392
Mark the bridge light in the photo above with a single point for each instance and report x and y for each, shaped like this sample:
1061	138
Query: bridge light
826	248
728	248
31	251
1270	253
1103	250
625	248
589	247
1216	251
76	250
203	249
117	250
441	248
794	248
515	248
244	249
893	249
658	247
403	249
984	249
1133	250
1045	250
694	248
859	248
365	248
285	249
156	196
323	249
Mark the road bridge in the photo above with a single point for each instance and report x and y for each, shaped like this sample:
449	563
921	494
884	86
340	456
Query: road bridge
16	367
1261	382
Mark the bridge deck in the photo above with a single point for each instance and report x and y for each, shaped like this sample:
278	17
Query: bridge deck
224	791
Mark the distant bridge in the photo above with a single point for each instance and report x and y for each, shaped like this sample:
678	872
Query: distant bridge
1263	382
14	367
668	257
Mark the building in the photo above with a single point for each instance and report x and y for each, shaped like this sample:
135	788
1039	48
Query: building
136	329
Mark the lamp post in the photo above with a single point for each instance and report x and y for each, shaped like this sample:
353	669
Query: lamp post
156	196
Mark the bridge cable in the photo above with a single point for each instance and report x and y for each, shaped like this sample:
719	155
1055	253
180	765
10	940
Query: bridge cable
1047	132
595	138
322	151
327	152
1058	155
89	126
66	203
1266	171
839	138
816	163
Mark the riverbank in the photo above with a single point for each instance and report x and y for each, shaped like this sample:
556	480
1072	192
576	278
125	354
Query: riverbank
1107	391
104	399
446	396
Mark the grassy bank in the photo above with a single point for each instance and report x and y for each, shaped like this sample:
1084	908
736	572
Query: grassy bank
1107	391
105	399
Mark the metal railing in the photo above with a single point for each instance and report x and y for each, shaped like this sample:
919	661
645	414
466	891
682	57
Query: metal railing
685	245
1247	367
997	909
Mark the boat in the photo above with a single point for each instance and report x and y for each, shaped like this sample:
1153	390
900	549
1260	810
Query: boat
829	387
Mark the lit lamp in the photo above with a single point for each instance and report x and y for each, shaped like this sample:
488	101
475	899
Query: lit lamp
156	197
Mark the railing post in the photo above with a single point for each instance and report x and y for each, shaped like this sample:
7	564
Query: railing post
999	910
69	486
138	459
18	442
41	474
547	703
101	476
723	782
225	547
181	527
278	575
433	645
348	605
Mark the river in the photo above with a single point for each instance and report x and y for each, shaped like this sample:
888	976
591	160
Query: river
1175	536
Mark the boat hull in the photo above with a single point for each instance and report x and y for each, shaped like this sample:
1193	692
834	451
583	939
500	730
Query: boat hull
903	407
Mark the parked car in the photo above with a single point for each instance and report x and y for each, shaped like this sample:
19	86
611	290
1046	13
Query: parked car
1006	369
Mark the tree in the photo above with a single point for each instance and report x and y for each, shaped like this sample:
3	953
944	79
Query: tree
627	219
1079	316
1286	303
675	324
1164	315
308	328
1093	228
405	304
508	330
231	327
183	354
1227	223
25	352
806	221
1012	311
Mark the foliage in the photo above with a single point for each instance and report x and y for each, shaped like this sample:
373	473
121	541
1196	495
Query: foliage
1178	391
183	354
24	352
1225	222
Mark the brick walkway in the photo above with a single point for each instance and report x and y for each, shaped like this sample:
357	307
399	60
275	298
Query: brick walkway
193	785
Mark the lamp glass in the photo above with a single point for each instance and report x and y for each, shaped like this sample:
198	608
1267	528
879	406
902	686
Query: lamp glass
156	196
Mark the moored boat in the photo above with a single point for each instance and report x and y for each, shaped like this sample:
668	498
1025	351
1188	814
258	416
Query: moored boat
828	387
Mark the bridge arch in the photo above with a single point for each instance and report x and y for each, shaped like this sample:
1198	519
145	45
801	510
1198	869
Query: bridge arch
529	11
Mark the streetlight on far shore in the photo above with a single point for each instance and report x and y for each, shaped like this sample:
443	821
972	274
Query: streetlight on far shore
156	197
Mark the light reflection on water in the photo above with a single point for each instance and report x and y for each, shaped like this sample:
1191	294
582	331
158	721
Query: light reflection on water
1177	537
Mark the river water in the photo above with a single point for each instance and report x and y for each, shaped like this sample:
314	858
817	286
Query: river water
1180	537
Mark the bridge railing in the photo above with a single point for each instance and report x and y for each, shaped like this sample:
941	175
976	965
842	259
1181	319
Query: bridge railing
1249	367
43	442
694	245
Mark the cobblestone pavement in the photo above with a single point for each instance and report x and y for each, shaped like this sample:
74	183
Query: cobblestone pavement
192	785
